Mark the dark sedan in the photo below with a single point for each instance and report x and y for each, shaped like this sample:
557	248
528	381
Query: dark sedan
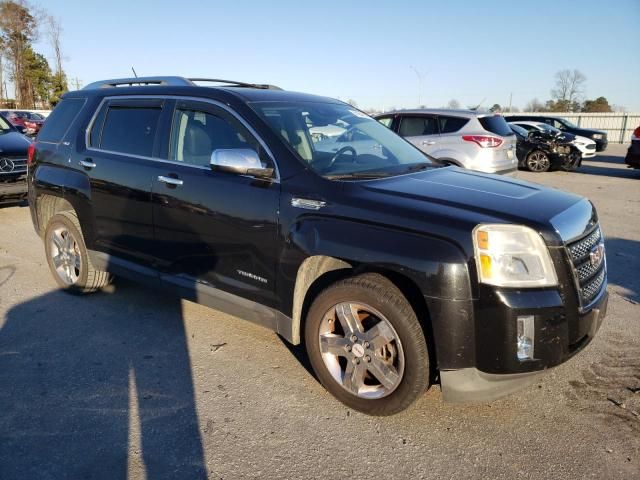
13	162
633	154
541	151
565	125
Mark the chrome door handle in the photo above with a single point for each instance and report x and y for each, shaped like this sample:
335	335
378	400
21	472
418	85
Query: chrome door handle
428	142
87	164
176	182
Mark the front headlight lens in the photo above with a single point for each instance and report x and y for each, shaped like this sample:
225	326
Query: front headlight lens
512	256
597	136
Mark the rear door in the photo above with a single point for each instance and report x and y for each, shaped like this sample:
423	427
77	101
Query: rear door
421	130
214	228
118	162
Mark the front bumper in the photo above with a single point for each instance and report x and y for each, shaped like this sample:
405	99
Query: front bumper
601	144
633	155
13	189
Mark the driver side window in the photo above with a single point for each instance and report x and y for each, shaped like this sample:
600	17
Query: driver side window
196	134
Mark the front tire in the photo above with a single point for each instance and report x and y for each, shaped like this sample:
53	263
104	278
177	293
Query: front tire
366	345
538	162
67	256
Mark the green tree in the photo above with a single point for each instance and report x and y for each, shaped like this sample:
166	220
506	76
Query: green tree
562	106
59	87
600	104
37	75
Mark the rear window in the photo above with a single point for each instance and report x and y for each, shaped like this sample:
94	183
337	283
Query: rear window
60	120
130	130
452	124
496	124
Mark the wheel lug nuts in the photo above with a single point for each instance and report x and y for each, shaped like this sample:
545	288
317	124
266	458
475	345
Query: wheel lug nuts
348	348
367	359
366	344
357	361
354	338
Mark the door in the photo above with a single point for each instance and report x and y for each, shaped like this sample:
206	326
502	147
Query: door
214	228
421	130
121	142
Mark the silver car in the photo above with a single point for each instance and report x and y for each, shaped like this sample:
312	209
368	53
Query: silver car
468	139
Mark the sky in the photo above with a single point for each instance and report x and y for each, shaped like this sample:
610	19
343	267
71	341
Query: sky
382	54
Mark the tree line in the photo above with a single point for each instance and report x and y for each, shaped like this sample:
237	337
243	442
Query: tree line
36	83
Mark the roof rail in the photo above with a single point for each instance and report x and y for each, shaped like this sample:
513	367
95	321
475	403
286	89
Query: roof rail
236	84
170	81
174	81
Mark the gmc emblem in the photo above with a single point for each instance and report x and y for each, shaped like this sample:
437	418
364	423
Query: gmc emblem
596	255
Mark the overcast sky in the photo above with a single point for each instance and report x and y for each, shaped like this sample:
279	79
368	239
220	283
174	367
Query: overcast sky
379	53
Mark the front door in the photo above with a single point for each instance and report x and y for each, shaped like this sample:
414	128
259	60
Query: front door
421	130
214	228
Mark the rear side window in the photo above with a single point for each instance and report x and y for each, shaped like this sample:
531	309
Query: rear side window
415	126
60	120
452	124
496	124
130	130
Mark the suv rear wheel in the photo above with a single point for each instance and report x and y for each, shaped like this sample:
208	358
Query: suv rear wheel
67	256
366	345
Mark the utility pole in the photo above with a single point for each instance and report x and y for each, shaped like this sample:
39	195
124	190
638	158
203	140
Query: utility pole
510	98
77	83
419	84
2	89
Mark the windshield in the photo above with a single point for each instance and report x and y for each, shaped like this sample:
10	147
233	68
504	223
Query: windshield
336	140
548	128
567	123
4	126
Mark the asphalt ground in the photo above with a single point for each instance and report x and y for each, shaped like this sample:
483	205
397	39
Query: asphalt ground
135	383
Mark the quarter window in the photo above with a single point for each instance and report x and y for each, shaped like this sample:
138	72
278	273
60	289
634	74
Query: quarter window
130	130
386	121
60	120
416	126
452	124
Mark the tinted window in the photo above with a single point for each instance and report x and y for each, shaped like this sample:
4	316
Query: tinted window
496	124
414	126
96	128
527	127
452	124
130	130
195	135
60	120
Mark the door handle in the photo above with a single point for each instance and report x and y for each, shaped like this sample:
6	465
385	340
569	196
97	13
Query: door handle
174	182
428	142
88	163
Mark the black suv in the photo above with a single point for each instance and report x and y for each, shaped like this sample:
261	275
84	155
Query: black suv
565	125
13	162
393	270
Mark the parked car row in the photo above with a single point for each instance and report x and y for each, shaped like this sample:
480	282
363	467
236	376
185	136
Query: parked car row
13	162
29	123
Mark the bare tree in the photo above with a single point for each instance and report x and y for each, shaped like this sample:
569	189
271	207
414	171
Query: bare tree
569	86
54	34
534	105
453	104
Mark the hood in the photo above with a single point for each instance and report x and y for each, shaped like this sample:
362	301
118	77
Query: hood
586	131
13	144
478	198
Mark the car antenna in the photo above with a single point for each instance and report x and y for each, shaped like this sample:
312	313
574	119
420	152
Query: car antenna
134	72
478	106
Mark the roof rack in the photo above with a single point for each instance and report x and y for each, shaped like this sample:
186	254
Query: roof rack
170	81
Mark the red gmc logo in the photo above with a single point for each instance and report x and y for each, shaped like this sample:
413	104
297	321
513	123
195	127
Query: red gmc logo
597	255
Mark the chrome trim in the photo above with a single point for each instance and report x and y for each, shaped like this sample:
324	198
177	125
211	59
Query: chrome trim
307	203
114	82
216	103
574	222
86	164
170	181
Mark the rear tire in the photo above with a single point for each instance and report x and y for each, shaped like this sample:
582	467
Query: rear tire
538	162
68	258
366	345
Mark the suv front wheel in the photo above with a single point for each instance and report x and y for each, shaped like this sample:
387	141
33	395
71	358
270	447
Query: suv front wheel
366	345
67	256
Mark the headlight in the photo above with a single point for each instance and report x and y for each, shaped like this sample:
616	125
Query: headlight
597	136
512	256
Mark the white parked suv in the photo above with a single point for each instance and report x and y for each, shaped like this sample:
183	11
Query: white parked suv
469	139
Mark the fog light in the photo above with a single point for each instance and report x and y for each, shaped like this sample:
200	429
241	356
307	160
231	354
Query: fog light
525	337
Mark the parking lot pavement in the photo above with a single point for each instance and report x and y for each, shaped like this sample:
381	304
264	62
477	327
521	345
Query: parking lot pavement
135	383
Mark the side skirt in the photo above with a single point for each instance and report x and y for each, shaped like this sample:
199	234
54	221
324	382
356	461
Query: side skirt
199	292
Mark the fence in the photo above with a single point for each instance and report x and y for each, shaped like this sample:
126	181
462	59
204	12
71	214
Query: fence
619	126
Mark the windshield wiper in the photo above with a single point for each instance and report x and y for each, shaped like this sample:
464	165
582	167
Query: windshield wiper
358	175
418	167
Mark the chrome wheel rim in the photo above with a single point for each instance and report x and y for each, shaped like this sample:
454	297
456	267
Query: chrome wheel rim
65	255
538	162
361	350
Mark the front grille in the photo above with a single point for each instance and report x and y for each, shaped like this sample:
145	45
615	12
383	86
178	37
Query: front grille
589	274
11	165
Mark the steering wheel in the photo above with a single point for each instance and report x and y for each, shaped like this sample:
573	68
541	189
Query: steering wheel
342	151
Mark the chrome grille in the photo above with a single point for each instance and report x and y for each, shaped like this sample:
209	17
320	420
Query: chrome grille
590	277
11	165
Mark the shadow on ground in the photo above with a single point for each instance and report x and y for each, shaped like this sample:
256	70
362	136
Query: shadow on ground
617	169
79	376
623	263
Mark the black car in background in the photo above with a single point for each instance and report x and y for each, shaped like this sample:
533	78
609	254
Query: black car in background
13	162
539	151
565	125
633	154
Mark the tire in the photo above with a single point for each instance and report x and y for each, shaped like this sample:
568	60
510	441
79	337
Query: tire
73	271
402	362
538	162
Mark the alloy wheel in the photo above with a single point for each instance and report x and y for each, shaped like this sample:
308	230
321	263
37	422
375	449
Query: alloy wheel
65	254
538	162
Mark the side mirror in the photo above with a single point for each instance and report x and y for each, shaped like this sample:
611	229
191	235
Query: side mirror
241	161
